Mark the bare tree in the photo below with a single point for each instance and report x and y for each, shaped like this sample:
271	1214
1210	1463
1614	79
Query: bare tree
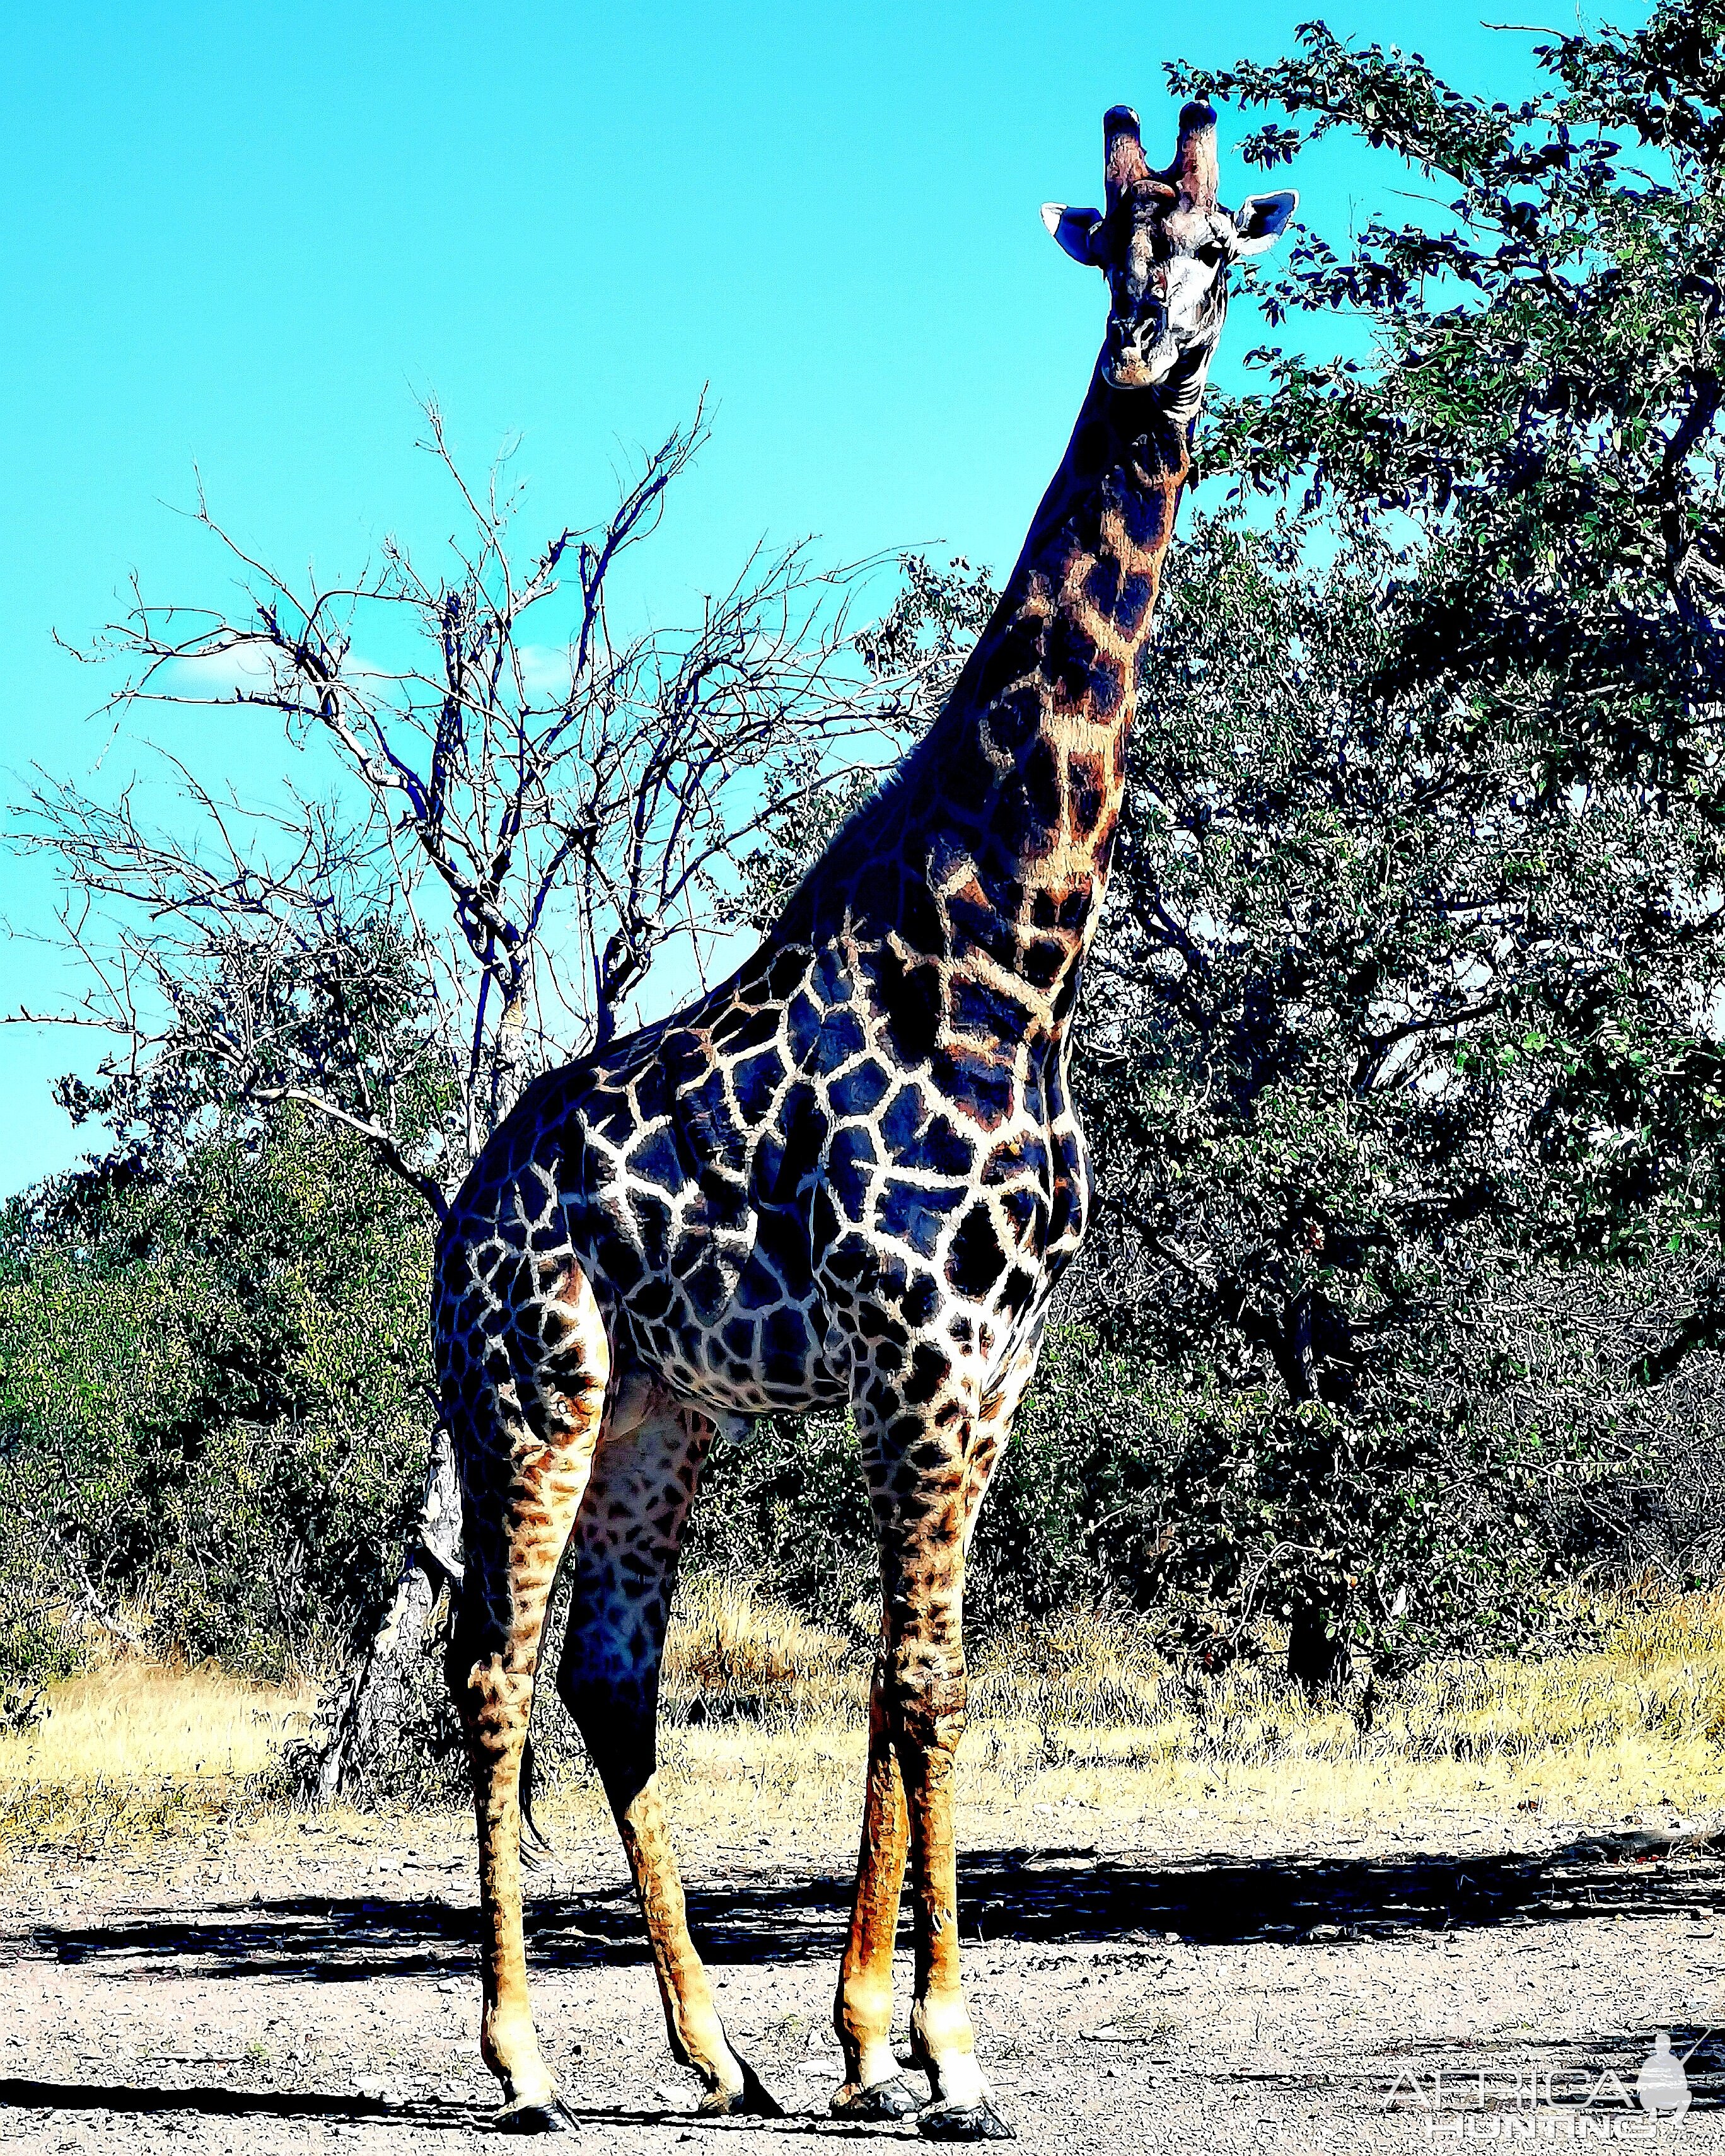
515	812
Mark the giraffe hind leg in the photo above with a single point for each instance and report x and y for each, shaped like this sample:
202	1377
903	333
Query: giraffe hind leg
525	1425
622	1570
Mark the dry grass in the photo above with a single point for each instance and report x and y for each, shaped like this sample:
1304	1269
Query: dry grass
1078	1729
138	1749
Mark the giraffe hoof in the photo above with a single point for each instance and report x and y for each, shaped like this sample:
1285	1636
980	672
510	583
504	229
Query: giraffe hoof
552	2116
893	2099
952	2122
753	2100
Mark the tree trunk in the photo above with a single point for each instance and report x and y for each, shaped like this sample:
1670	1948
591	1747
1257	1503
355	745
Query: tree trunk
393	1731
1318	1659
394	1728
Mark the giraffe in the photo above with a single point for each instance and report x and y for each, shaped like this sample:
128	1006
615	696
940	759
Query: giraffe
851	1176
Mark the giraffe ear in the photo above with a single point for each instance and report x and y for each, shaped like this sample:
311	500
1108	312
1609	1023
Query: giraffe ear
1260	221
1078	231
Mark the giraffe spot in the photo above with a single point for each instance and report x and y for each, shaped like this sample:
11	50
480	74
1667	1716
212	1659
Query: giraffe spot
651	1218
1003	887
912	1214
858	1092
973	1084
976	1258
1044	959
704	1111
654	1160
784	1343
851	1260
966	777
1106	683
651	1301
841	1037
1101	584
829	980
976	926
979	1007
1133	604
756	1083
928	1372
939	1150
1017	1290
738	1338
805	1129
1013	719
786	974
742	1028
1018	652
617	1261
910	999
1026	1214
1088	792
1024	830
921	1300
850	1157
1071	1177
707	1289
802	1028
1071	656
1143	513
759	1287
782	1238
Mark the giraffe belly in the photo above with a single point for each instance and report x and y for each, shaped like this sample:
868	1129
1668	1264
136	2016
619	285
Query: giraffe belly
750	1356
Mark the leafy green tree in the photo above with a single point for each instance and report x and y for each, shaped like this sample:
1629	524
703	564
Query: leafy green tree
1411	986
214	1391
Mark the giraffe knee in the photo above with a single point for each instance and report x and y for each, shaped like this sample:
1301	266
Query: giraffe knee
615	1707
926	1696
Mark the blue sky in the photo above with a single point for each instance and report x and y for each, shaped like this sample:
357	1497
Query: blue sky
246	238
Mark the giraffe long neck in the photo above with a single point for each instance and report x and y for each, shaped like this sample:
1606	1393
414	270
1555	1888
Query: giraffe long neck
1001	823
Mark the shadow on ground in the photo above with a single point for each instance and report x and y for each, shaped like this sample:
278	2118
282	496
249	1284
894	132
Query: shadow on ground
1053	1897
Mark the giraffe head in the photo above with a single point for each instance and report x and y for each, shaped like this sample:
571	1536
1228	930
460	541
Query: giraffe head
1164	244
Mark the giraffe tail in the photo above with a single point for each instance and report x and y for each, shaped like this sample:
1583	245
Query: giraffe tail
536	1843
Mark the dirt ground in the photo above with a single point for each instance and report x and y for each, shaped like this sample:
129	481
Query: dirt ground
314	1989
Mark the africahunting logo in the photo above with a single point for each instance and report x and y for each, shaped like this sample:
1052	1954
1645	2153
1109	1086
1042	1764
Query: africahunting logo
1546	2103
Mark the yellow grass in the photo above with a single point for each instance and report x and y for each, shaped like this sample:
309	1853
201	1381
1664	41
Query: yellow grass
1078	1731
137	1748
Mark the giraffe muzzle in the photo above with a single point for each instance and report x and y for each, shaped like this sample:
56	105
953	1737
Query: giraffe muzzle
1140	354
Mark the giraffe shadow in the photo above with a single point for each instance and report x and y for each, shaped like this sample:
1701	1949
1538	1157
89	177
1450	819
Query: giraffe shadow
1052	1898
120	2099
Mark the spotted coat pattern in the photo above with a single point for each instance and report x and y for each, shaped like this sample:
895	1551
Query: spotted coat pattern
851	1175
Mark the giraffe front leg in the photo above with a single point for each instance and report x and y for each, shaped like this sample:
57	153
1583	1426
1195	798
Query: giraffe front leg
623	1564
923	1471
862	2013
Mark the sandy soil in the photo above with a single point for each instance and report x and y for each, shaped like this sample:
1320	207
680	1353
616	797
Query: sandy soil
315	1988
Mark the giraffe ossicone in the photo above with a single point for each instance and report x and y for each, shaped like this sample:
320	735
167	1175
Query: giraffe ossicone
851	1176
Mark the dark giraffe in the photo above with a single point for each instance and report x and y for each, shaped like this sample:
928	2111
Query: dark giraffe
850	1176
